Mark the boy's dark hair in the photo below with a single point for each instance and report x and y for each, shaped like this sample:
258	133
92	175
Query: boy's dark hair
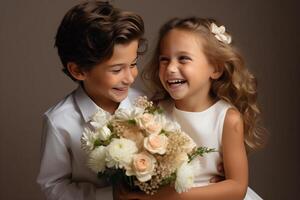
89	31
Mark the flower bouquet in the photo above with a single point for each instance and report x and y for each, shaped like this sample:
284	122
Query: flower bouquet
144	146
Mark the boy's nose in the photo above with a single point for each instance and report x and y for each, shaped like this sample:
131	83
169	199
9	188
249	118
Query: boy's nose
130	76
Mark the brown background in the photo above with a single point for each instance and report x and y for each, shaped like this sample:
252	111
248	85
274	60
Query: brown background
267	33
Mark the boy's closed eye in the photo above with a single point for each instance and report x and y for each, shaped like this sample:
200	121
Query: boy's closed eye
134	63
116	69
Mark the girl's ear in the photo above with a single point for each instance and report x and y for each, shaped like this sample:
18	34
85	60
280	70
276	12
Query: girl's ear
218	71
75	71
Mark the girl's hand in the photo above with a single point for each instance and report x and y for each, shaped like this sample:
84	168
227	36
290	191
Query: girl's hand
217	179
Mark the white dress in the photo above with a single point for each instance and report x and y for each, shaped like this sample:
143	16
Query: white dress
206	129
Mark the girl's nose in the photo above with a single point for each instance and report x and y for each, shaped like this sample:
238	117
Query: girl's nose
172	67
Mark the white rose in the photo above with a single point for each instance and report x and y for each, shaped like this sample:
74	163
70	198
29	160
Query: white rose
96	160
143	166
185	175
100	119
168	125
156	143
119	153
104	133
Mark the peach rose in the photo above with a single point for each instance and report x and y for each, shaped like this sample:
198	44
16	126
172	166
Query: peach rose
143	166
149	123
156	143
144	120
153	128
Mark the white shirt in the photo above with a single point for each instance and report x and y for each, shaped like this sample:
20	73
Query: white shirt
64	174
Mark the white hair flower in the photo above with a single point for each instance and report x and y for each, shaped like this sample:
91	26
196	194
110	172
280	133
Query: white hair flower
220	33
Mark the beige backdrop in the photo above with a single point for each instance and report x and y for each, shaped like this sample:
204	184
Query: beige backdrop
31	81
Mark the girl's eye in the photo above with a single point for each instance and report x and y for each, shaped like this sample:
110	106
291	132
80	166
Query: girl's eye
163	59
184	59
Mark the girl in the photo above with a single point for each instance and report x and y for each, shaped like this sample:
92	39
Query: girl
203	84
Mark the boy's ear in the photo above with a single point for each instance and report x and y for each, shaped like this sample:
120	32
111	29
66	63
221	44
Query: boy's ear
75	71
218	71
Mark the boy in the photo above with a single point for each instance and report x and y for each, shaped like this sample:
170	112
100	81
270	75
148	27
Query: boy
98	46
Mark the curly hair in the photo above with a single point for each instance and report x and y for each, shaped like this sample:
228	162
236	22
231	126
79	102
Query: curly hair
236	85
90	30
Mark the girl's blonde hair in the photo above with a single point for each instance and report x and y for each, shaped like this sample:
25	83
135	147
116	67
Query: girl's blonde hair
236	85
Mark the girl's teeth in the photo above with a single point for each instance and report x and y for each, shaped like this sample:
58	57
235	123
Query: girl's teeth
175	81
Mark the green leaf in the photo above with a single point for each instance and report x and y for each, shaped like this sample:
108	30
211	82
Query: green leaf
131	121
97	143
200	151
168	180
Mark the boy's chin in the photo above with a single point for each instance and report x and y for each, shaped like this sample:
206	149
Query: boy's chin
118	98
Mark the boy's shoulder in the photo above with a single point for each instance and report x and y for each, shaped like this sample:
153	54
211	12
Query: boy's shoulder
62	109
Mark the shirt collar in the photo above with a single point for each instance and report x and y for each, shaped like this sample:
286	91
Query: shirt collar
88	107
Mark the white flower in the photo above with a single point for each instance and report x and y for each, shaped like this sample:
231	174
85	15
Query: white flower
156	143
100	119
220	33
185	175
128	114
96	160
168	125
88	139
103	133
119	153
143	166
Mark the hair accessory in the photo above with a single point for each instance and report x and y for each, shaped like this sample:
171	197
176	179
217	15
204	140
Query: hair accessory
220	33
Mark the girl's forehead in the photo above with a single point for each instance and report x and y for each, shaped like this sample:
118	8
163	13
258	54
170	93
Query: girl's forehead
181	39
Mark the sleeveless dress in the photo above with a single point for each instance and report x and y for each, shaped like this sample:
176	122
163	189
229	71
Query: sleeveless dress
205	128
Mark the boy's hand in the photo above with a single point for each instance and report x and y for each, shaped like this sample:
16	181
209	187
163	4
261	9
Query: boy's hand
122	192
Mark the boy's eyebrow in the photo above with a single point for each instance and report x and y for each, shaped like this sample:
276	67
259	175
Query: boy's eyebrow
121	64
